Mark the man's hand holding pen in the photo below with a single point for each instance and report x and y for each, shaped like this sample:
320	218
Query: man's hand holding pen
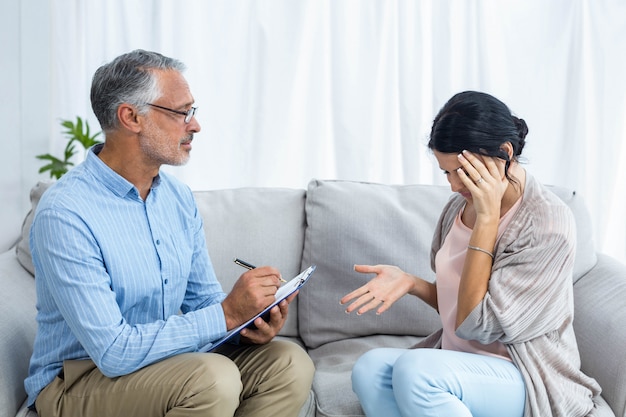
253	291
248	265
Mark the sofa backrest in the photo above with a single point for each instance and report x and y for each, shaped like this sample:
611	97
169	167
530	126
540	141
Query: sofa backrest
361	223
263	226
586	256
346	223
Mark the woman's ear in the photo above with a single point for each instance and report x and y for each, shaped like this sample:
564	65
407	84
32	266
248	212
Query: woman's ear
129	117
508	148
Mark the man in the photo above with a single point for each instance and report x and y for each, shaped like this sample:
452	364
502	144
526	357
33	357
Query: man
119	252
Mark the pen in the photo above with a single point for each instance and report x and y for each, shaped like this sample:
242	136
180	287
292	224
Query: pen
248	265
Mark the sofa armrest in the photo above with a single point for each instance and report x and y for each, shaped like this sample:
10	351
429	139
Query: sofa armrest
600	314
17	331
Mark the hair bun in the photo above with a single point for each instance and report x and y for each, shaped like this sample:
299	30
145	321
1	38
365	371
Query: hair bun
522	131
522	128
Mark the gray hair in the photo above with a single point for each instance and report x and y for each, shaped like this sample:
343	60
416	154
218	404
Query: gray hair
129	78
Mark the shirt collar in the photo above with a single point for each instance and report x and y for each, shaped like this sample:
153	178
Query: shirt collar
109	178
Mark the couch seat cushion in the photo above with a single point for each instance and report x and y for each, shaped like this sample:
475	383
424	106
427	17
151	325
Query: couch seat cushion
333	370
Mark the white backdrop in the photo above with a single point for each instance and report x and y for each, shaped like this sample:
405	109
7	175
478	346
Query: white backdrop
290	90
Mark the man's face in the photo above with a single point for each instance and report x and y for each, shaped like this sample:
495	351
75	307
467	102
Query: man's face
166	138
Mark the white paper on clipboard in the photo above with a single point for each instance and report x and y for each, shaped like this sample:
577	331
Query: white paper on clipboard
283	292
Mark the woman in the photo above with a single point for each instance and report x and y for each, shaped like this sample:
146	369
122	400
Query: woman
503	254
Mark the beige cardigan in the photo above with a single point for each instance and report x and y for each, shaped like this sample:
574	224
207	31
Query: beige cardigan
529	304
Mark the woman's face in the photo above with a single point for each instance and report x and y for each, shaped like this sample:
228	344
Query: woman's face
449	163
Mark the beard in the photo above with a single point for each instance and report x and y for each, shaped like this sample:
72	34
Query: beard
160	149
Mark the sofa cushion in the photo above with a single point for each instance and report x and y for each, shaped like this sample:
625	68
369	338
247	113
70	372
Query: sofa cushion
333	370
599	316
360	223
17	331
22	249
263	226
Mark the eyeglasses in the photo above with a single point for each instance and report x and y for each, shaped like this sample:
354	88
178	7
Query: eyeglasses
188	114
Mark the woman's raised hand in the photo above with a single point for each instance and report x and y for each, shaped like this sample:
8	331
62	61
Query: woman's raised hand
387	287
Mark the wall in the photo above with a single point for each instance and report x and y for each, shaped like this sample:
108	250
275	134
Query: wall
348	94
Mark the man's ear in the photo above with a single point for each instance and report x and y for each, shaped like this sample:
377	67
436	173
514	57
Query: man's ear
129	117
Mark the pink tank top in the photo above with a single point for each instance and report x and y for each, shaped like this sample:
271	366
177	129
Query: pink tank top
449	263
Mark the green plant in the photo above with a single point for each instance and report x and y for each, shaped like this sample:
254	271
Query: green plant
75	132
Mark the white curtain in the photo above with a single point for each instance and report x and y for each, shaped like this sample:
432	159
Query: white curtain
290	90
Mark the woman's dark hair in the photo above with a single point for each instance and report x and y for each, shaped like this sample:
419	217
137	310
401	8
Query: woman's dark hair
479	123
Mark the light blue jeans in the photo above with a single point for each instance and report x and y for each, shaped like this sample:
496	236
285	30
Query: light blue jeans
433	382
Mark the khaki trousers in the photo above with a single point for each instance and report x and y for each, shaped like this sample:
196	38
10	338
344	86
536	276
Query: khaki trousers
265	380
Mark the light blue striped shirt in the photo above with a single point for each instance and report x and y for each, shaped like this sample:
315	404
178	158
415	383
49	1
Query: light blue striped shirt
113	273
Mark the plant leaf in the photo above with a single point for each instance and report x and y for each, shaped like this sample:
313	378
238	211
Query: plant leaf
77	131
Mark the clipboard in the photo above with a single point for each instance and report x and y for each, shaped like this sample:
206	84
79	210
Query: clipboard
283	292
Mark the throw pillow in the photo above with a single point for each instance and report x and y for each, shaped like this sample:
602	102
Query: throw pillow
360	223
22	249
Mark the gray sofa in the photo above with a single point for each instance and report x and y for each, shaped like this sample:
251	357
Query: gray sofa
335	224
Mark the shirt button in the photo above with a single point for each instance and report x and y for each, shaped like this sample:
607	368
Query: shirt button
166	281
158	242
